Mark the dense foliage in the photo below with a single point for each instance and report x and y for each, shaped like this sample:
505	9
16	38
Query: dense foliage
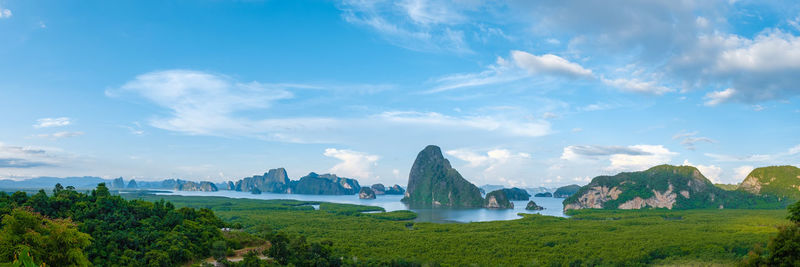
123	232
25	233
589	237
783	249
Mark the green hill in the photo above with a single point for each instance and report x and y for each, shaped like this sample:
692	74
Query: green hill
779	181
663	186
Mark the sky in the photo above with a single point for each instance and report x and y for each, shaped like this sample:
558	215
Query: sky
516	93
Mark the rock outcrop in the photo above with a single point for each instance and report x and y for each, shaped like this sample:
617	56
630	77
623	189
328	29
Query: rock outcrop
324	184
273	181
132	184
226	186
516	194
545	194
497	199
434	183
366	193
379	189
118	183
532	206
566	191
395	190
195	186
779	181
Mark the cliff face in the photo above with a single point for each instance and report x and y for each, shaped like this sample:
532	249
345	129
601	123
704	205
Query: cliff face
779	181
497	199
434	183
273	181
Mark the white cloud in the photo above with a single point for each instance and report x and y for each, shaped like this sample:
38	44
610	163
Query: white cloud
521	65
491	159
431	12
500	72
621	158
764	68
414	25
549	64
657	155
712	172
636	86
51	122
201	103
354	164
549	115
741	172
5	13
17	157
60	135
396	173
718	97
487	123
495	165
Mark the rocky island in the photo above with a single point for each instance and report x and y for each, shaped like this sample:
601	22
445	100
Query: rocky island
434	183
497	199
532	206
366	193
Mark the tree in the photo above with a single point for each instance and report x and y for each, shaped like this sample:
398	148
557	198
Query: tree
55	242
783	249
794	212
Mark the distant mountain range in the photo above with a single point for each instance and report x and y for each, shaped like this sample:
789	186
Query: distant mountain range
87	182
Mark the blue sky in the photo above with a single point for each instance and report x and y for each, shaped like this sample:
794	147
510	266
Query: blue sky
519	93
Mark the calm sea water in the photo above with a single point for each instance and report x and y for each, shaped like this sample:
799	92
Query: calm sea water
552	206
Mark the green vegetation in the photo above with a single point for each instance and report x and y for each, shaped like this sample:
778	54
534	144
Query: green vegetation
72	228
589	237
42	240
779	181
727	187
699	192
783	249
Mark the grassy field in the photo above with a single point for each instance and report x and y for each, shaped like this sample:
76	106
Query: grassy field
589	237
